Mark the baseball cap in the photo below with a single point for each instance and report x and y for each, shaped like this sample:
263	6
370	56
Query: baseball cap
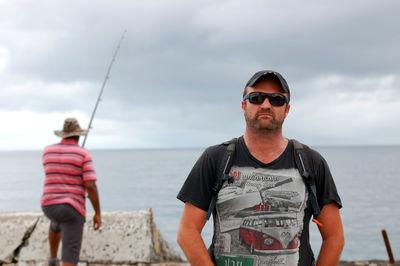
269	74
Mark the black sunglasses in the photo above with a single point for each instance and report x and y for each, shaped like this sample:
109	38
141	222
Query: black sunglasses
275	99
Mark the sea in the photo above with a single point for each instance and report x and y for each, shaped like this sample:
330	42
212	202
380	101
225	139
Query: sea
367	179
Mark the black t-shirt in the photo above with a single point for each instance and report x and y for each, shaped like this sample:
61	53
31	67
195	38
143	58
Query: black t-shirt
262	218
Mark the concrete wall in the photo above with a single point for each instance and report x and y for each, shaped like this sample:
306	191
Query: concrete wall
125	238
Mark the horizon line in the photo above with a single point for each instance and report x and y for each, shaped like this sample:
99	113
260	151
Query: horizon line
204	147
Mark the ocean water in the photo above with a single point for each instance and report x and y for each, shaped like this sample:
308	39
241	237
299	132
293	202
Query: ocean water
367	179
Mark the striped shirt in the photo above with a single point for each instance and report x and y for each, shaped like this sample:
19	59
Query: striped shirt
66	166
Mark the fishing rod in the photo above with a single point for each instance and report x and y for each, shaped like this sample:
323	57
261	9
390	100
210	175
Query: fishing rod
102	87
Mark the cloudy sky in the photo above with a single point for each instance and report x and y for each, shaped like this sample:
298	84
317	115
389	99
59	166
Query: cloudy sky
179	74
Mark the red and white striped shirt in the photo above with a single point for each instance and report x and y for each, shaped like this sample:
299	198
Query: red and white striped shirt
67	166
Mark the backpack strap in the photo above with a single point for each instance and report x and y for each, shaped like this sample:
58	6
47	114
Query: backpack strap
222	174
303	163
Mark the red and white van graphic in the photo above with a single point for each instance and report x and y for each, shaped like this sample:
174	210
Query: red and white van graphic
270	233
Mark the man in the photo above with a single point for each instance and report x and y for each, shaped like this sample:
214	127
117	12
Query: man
262	217
69	175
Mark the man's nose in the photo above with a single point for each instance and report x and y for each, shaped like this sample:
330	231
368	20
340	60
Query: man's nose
266	103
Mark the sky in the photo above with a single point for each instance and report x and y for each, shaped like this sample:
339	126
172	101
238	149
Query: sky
179	74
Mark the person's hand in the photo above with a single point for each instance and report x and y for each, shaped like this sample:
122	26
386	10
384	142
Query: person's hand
96	221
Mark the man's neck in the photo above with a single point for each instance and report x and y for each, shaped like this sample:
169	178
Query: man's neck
265	146
70	141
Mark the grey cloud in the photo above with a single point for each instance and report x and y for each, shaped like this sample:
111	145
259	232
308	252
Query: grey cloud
183	64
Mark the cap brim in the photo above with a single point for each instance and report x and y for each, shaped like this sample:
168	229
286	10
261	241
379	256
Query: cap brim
63	134
267	75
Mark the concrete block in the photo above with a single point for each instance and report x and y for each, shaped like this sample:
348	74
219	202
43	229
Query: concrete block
125	238
15	227
36	247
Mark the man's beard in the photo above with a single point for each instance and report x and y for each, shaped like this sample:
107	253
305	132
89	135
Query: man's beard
268	125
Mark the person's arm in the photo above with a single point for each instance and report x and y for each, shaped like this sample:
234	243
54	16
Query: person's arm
94	199
332	235
189	236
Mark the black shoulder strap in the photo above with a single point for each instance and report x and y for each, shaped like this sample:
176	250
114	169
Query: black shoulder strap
303	163
222	174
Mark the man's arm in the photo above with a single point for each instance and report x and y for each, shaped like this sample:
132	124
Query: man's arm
94	199
332	235
189	236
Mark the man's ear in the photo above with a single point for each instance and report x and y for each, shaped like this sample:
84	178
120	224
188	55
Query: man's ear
287	110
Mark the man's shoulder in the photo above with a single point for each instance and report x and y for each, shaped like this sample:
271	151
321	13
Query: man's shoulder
213	152
218	149
61	147
313	154
307	147
51	147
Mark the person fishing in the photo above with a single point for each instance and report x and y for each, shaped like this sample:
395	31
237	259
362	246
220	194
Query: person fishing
270	187
69	175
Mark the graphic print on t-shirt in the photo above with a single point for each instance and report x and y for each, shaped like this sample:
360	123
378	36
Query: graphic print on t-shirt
260	217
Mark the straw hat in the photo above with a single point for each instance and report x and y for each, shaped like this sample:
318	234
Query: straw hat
71	128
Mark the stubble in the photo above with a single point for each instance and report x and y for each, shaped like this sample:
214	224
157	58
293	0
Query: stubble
271	123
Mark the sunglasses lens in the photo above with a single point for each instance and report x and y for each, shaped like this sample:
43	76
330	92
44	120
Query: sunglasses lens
256	98
277	100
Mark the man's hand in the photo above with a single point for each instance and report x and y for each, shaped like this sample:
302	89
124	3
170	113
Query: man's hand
94	199
96	221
